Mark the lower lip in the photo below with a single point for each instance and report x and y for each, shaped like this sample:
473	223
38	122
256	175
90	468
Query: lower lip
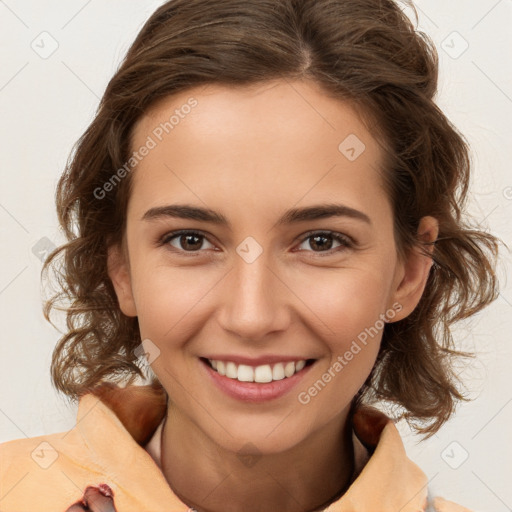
255	391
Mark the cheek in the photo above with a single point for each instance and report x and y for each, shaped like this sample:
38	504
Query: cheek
345	300
348	309
168	299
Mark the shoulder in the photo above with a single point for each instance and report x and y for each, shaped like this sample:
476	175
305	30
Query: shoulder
33	468
51	472
387	474
439	504
25	452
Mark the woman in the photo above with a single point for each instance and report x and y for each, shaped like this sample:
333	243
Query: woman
268	206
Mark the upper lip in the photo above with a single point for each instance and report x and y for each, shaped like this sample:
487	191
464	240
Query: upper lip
256	361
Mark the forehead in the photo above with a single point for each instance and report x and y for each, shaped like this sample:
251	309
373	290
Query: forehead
277	140
299	107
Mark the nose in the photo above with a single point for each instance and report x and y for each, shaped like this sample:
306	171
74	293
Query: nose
256	302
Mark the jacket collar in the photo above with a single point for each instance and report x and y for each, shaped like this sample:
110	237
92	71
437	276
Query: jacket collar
388	480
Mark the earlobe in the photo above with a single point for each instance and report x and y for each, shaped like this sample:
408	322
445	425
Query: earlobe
119	273
416	269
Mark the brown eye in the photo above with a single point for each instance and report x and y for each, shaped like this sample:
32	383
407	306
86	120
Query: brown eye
185	241
323	241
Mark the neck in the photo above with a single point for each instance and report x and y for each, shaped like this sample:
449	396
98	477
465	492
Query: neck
209	478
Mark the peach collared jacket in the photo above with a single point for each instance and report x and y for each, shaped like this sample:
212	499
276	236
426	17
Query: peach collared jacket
115	446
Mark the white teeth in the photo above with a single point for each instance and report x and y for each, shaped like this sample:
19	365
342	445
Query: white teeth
289	369
263	373
231	370
245	373
278	372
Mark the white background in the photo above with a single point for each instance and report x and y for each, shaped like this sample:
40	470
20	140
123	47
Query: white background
46	104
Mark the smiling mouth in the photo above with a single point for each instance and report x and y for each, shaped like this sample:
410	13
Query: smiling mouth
260	374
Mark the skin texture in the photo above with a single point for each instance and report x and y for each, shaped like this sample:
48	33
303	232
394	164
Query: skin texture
250	154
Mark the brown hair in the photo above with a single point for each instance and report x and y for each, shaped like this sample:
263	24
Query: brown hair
366	52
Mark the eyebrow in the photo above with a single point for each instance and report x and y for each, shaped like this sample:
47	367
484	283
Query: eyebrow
292	216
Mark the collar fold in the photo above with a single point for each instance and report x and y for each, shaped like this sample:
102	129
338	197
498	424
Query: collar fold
388	480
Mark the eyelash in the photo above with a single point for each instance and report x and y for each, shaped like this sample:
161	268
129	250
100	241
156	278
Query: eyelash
345	241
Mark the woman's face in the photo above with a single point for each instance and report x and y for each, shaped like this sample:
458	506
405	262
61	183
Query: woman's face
267	177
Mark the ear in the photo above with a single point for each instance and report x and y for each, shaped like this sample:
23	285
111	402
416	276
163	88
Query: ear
119	273
413	274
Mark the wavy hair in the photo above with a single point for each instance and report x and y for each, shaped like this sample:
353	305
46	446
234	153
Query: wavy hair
366	52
